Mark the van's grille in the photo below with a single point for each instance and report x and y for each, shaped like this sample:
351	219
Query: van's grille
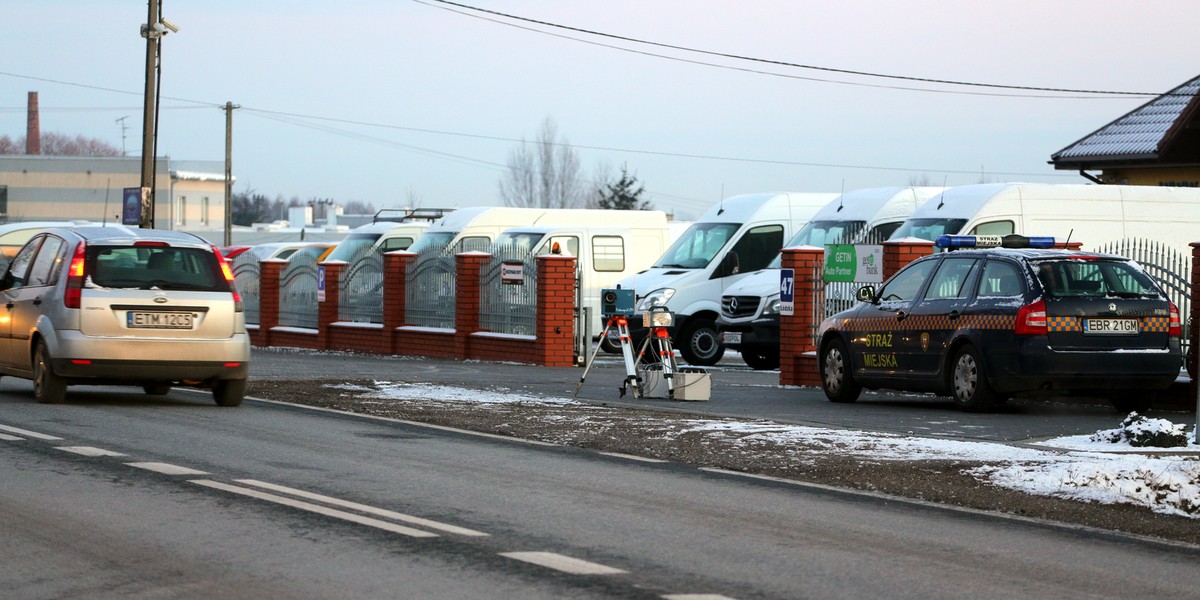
736	307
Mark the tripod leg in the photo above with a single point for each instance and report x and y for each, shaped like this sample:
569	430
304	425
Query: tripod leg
592	358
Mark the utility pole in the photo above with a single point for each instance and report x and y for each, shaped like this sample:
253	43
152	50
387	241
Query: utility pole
149	108
229	106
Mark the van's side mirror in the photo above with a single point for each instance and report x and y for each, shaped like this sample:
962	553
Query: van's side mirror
729	265
866	293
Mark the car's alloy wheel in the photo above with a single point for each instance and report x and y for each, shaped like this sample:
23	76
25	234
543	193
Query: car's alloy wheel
48	388
969	383
836	378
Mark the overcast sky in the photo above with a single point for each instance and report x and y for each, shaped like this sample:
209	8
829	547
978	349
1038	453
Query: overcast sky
384	101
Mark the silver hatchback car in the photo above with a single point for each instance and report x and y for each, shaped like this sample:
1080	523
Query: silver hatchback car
119	306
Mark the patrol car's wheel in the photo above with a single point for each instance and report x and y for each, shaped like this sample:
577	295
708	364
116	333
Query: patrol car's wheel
760	360
700	343
836	377
968	382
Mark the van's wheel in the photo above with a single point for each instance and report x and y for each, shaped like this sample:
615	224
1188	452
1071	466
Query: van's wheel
837	376
700	344
968	382
229	392
48	388
610	347
760	360
156	389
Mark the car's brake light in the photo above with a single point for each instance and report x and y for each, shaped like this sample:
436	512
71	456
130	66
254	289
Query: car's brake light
75	273
227	273
149	244
1174	326
1031	319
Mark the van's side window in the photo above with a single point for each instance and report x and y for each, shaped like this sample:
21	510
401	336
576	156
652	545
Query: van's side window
608	253
994	228
757	248
474	244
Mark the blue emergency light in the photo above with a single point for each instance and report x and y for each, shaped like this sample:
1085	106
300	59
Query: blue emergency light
959	242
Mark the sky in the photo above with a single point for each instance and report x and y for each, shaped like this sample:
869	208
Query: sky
1086	468
420	102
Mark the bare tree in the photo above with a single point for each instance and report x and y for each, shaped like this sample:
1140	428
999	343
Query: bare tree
58	144
544	173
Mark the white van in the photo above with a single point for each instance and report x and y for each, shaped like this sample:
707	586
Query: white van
472	229
387	232
736	236
1091	214
749	321
604	255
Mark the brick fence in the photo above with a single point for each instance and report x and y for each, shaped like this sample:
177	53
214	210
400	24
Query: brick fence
552	345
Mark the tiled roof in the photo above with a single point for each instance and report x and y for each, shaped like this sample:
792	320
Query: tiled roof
1138	134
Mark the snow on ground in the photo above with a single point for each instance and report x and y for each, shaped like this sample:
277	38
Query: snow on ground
1075	467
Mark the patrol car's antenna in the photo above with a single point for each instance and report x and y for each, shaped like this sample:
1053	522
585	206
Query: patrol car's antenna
1069	234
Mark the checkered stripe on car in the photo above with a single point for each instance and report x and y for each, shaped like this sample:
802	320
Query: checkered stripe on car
1062	324
927	322
1156	324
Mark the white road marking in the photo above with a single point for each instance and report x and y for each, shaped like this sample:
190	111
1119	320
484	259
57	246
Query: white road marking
562	563
696	597
395	516
10	438
632	457
28	433
89	451
321	510
166	469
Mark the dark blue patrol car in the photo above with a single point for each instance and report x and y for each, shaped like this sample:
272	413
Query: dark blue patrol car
985	325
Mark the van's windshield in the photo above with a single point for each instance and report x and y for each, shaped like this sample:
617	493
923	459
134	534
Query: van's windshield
928	229
820	234
515	244
697	246
431	240
348	248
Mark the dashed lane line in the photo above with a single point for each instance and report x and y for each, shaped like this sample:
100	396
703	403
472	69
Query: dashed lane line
10	438
89	451
315	508
696	597
28	433
395	516
166	468
632	457
559	562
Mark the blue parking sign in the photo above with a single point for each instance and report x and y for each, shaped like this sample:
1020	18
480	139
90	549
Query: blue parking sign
320	284
787	291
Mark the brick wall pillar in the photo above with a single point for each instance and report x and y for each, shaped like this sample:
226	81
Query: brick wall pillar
1193	318
327	310
555	311
898	253
466	309
797	364
395	274
268	298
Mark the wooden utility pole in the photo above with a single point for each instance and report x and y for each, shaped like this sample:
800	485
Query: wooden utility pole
229	106
152	35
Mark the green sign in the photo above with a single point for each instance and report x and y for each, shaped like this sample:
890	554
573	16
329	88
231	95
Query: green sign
856	263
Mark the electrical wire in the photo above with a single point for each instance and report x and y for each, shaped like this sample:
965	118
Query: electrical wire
445	4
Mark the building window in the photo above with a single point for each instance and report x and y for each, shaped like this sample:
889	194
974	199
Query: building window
3	201
204	211
181	213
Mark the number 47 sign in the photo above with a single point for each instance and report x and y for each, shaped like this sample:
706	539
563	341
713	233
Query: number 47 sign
787	291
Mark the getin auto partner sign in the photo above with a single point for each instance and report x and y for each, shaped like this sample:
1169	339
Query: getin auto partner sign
860	263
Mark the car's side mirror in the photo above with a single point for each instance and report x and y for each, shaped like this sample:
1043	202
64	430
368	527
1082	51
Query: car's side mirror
866	293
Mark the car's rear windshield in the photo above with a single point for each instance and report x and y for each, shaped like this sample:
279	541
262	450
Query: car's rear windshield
150	267
1095	277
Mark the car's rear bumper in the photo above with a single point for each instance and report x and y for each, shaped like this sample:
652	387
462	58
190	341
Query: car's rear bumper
1040	368
138	359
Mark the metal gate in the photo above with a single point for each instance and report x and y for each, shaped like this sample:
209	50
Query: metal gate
506	307
1170	268
298	291
360	287
246	275
430	289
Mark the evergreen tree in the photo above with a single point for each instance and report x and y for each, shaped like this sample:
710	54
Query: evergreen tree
624	194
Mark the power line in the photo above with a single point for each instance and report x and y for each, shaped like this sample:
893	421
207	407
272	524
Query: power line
447	3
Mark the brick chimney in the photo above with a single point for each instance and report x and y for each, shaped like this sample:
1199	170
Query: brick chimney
33	128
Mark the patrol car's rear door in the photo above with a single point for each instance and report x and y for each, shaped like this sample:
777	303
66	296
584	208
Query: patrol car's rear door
940	312
1102	304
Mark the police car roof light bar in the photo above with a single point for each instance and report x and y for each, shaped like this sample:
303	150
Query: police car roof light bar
960	242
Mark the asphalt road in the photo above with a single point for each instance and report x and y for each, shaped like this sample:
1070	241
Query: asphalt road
115	494
736	391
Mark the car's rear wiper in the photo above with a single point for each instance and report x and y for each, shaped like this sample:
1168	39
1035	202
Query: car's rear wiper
1116	294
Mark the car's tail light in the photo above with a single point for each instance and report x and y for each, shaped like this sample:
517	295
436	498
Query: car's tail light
75	275
227	273
1031	319
1174	326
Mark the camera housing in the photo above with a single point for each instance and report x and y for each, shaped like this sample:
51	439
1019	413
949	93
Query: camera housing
617	302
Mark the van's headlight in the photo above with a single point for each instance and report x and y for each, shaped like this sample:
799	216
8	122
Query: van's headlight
771	305
658	297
